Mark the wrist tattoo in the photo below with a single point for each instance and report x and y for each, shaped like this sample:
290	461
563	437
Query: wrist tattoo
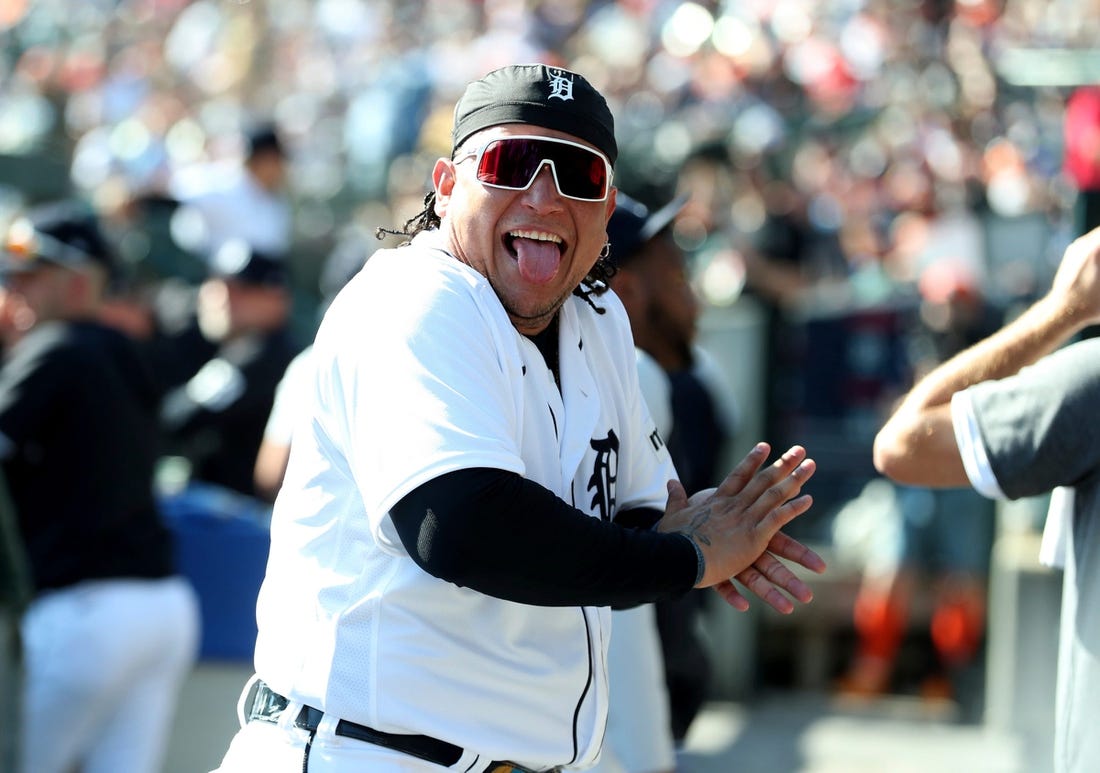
697	521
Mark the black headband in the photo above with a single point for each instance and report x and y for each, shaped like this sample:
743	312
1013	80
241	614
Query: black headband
539	95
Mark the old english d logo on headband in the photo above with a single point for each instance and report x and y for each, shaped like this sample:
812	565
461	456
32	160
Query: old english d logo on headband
540	95
561	86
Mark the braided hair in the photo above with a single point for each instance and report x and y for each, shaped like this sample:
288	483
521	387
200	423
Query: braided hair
425	220
595	283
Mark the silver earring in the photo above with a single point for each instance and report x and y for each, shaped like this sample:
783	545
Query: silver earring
606	249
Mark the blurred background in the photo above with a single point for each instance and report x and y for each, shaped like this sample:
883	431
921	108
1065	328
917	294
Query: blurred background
874	184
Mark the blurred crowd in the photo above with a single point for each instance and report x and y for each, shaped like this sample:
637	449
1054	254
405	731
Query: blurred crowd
840	155
858	117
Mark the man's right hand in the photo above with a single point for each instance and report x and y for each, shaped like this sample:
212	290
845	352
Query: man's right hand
1076	285
737	527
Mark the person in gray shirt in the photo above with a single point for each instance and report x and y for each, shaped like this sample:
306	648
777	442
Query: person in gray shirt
1015	416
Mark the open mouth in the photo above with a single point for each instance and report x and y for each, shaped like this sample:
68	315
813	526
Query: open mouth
538	254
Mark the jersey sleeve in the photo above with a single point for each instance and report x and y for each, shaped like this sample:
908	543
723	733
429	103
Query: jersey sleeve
411	405
971	447
1038	428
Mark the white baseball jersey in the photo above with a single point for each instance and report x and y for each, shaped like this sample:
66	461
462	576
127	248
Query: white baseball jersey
419	372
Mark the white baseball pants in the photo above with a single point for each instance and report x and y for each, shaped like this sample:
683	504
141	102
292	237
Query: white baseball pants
104	662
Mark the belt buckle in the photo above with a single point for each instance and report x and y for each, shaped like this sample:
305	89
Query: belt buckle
266	705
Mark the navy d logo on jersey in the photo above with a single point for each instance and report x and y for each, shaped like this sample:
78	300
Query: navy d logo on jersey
605	469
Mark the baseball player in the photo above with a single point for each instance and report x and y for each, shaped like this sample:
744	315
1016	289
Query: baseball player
660	671
112	630
1015	416
476	479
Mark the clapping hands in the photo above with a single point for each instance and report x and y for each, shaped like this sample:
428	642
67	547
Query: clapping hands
737	527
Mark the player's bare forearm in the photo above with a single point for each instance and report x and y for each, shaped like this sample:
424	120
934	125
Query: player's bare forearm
1072	304
1034	334
917	444
918	448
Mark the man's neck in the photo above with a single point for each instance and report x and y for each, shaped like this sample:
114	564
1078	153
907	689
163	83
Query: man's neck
546	342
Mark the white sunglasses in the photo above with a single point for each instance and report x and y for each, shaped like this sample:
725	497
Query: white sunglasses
513	162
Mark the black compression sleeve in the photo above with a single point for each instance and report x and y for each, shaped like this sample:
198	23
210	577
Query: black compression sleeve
505	536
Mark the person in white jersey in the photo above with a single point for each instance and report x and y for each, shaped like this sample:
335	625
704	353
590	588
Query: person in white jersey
475	479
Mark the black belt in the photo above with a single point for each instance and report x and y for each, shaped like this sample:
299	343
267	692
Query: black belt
268	705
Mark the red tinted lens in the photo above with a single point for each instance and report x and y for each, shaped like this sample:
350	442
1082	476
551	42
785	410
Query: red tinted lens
513	161
509	163
581	173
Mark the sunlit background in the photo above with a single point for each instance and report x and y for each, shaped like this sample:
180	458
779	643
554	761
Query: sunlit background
863	106
899	153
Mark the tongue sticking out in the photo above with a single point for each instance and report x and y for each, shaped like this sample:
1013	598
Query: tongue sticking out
538	260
